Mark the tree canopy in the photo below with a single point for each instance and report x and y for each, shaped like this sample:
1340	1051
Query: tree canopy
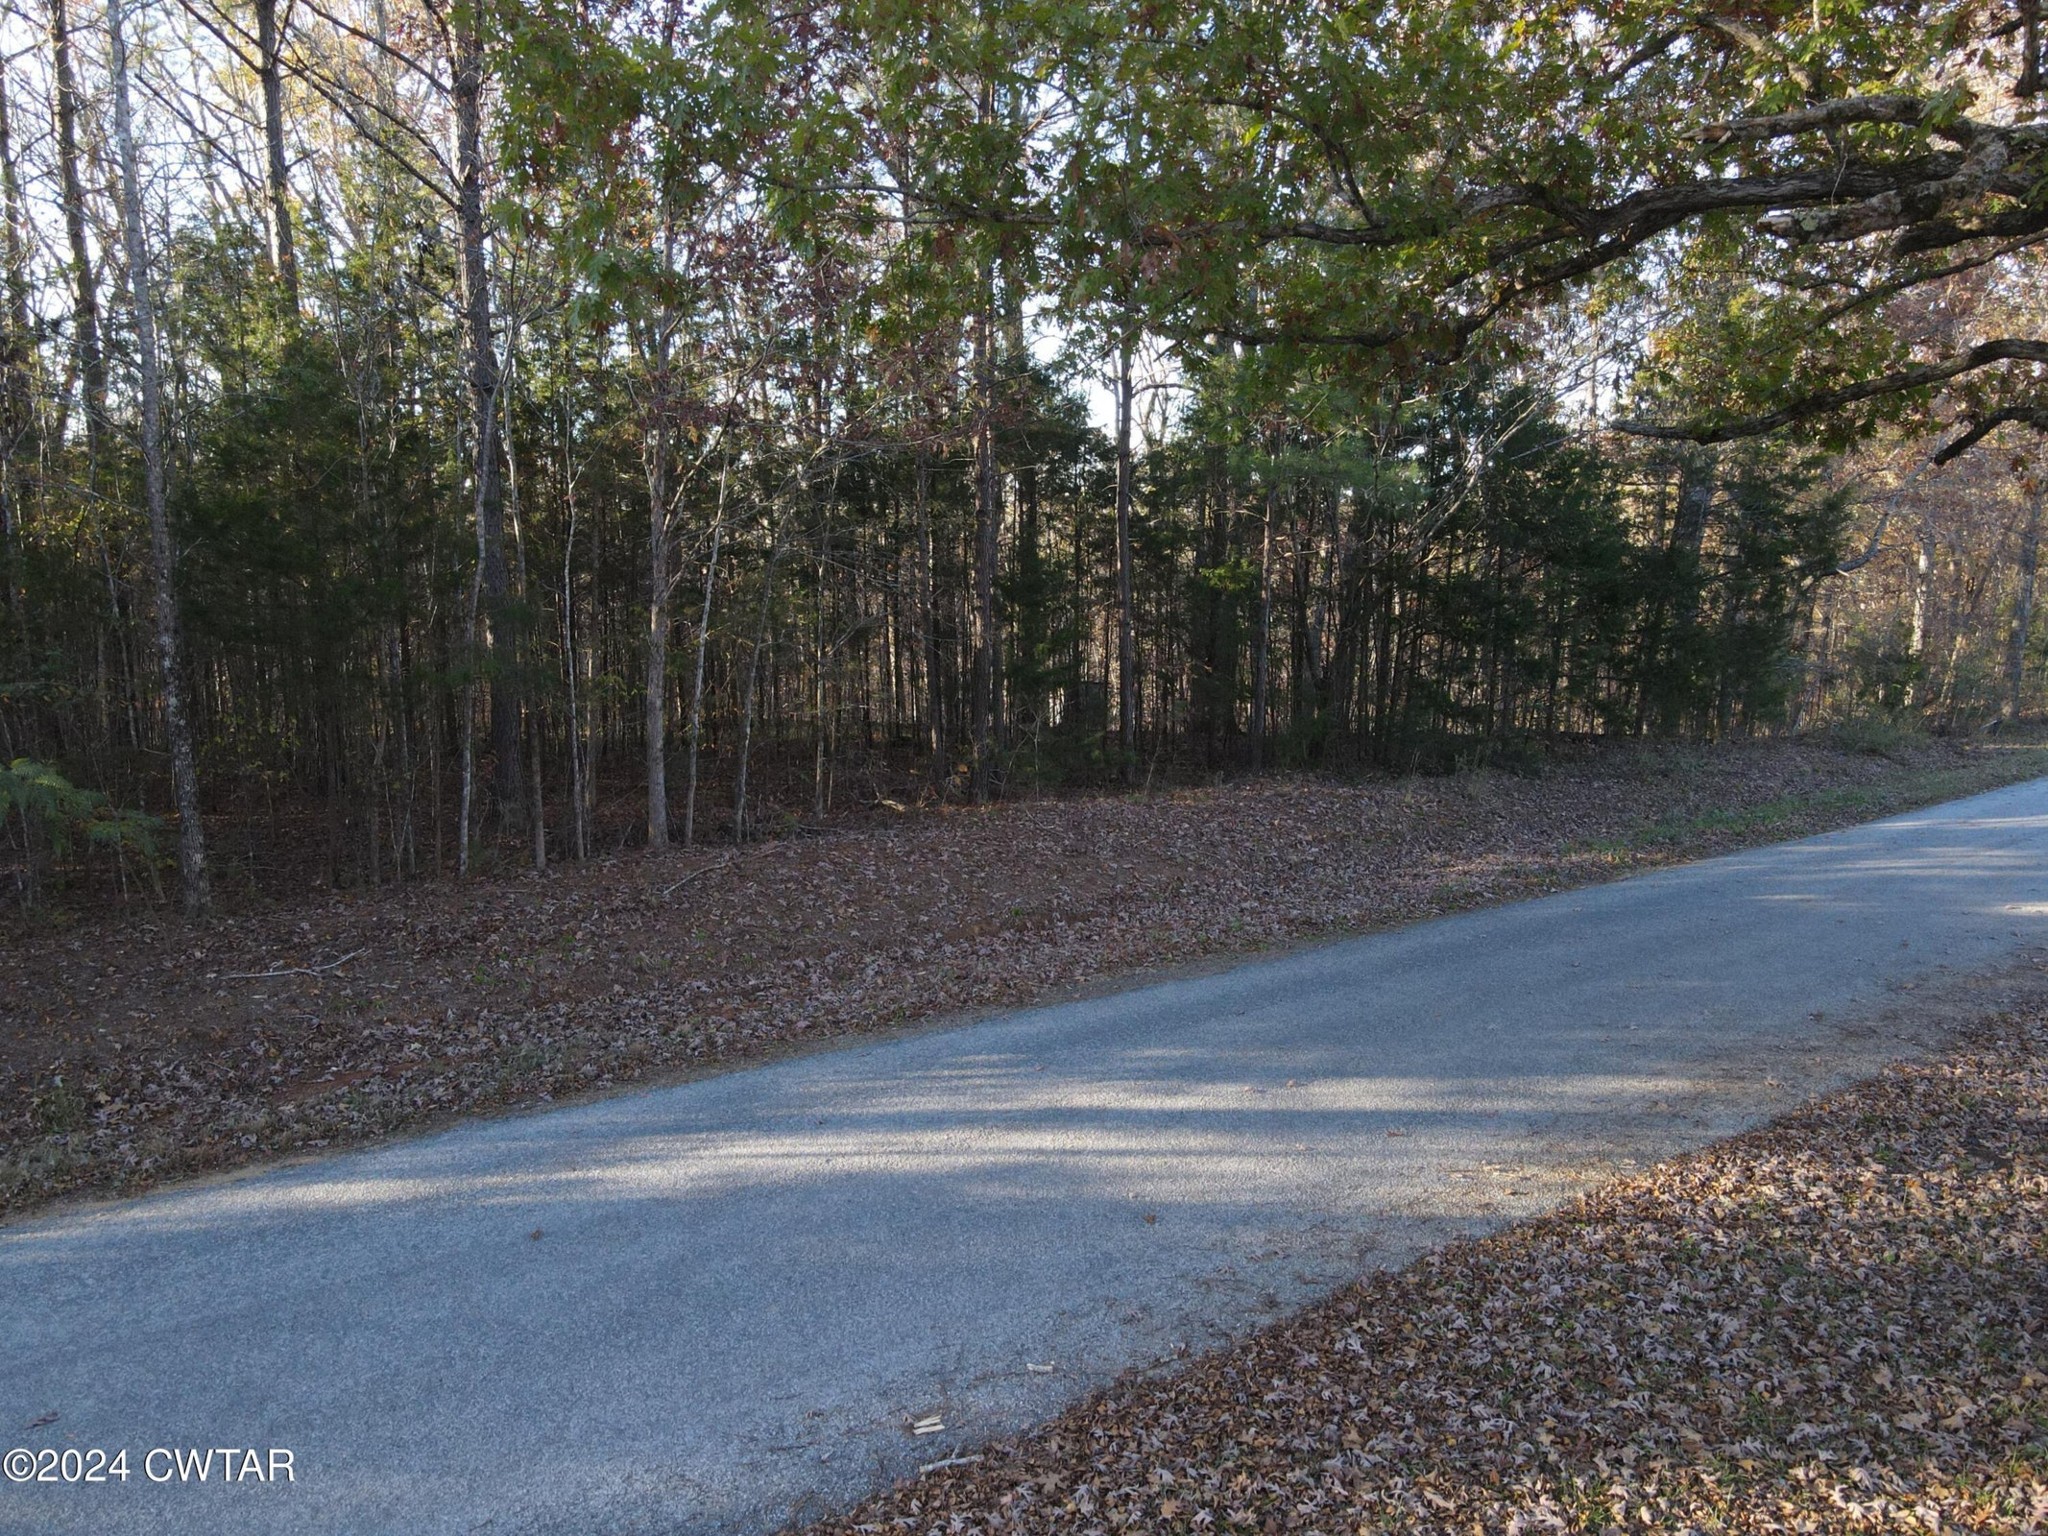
825	398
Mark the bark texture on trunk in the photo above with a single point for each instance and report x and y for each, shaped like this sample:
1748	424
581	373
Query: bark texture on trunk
697	677
1923	590
927	620
17	370
988	518
1126	623
85	306
2023	608
269	47
1262	653
467	75
656	701
192	880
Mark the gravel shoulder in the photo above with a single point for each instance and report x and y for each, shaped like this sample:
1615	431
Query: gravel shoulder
138	1049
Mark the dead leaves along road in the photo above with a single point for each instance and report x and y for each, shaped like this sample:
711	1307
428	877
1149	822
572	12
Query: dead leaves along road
1834	1324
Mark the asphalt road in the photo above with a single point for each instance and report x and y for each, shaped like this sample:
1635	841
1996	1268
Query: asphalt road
716	1306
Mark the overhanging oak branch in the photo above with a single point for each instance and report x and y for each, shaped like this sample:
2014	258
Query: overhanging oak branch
1821	402
2025	415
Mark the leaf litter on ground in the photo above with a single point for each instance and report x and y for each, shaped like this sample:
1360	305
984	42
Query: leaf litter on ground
133	1051
1832	1324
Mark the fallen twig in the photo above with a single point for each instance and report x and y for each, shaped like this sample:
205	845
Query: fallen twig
950	1461
701	869
289	970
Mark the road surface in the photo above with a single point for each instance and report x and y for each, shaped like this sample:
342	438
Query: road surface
718	1306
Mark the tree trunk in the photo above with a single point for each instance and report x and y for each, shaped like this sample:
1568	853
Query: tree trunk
1262	661
467	75
1126	631
579	821
2029	82
820	742
1923	591
269	47
17	370
928	619
184	773
536	782
746	742
85	308
988	518
2023	607
656	448
1698	482
697	678
466	801
656	701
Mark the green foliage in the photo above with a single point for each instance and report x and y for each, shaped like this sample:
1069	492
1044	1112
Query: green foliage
56	818
58	1109
1743	536
796	277
306	538
1884	734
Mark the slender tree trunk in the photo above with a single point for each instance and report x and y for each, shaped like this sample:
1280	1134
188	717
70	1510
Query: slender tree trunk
927	620
658	584
593	736
465	821
1126	628
746	743
19	357
536	782
2023	608
404	839
2029	82
184	770
579	818
466	803
1923	592
819	745
269	46
467	77
85	307
17	371
1025	623
1262	658
697	677
988	517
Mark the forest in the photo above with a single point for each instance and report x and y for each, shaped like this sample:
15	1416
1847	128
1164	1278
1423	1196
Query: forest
439	435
